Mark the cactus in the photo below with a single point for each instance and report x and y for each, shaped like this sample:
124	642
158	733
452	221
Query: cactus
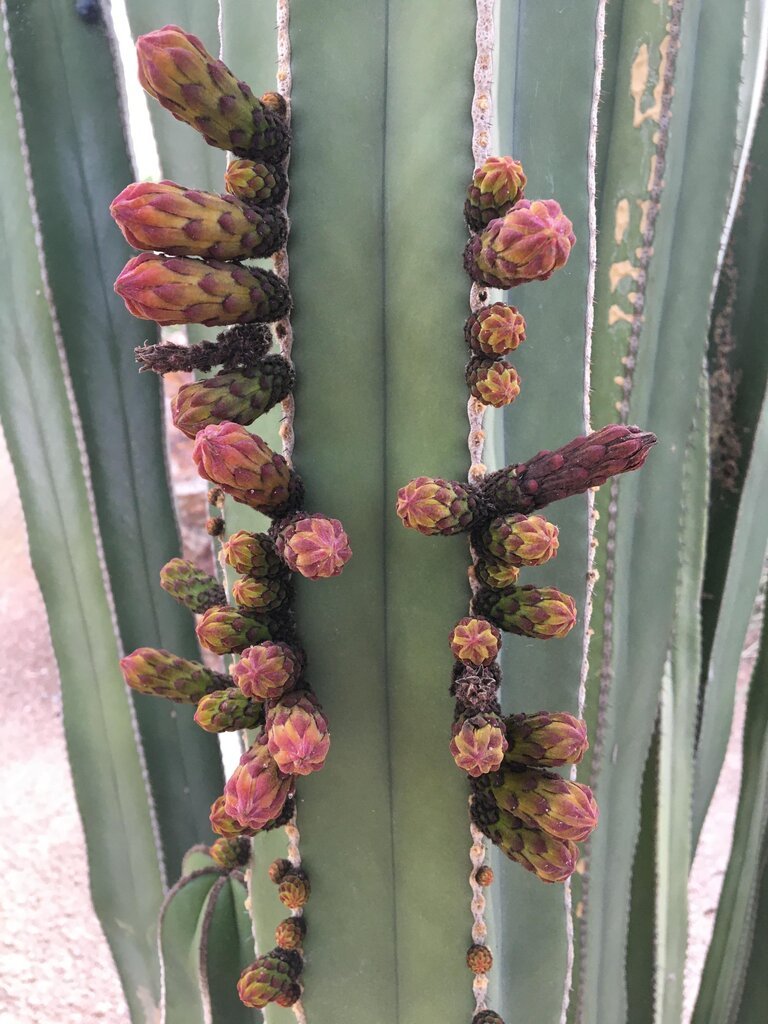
599	162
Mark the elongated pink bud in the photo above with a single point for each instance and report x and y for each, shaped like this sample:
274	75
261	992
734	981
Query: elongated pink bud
256	791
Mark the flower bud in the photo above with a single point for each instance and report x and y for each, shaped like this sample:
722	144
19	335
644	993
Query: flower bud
224	824
582	463
261	595
546	739
278	869
495	188
236	396
290	933
244	465
225	630
289	995
484	876
518	540
297	732
264	981
228	710
230	854
181	290
268	670
476	641
495	330
252	182
550	859
478	743
434	506
529	243
177	70
190	586
496	575
479	959
487	1017
542	613
314	546
252	554
545	800
494	382
294	890
162	674
256	790
166	217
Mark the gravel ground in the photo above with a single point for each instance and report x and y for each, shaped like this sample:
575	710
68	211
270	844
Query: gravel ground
54	961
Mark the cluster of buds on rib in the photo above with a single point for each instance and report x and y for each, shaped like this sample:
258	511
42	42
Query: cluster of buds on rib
237	396
166	217
162	674
196	589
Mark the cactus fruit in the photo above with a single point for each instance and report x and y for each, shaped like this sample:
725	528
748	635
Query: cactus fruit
267	670
166	217
478	743
244	466
582	463
518	540
261	594
546	739
434	506
196	589
252	554
494	382
313	545
253	182
177	70
475	641
294	890
495	330
256	791
545	800
529	243
162	674
228	710
290	933
297	733
226	630
182	290
230	853
495	188
237	396
479	959
542	613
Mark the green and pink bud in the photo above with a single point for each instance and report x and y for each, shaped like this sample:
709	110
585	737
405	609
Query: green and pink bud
495	330
177	70
545	800
314	546
159	673
529	243
518	540
181	290
476	641
236	396
541	613
583	463
267	670
253	182
478	743
196	589
546	739
227	630
228	710
550	859
494	190
244	466
297	732
261	594
166	217
256	791
224	824
252	554
230	854
496	575
436	506
493	382
267	980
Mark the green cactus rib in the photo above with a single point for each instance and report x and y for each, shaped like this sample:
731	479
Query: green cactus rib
544	111
78	158
733	981
225	944
666	350
39	423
